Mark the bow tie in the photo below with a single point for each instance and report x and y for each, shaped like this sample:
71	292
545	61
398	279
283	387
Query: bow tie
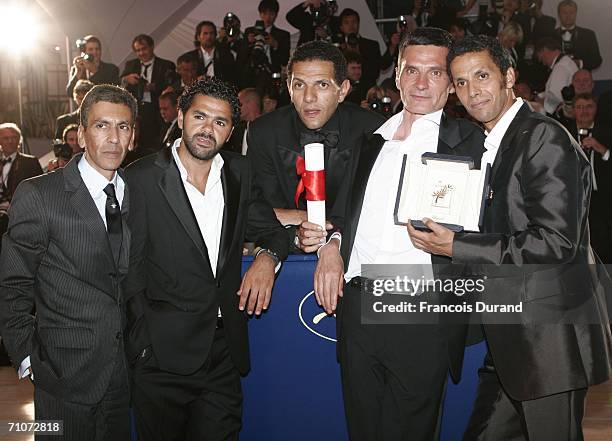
5	161
329	138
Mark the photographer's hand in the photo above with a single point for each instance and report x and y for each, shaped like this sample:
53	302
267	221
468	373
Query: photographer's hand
132	79
592	143
271	41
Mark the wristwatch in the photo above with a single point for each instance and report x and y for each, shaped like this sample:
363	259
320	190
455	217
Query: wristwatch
270	253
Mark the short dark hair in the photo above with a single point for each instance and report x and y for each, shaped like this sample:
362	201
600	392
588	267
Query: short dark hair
566	3
82	86
426	37
185	58
320	51
69	128
92	39
214	88
549	43
480	43
144	39
585	96
170	95
110	94
199	29
268	5
348	12
389	84
352	57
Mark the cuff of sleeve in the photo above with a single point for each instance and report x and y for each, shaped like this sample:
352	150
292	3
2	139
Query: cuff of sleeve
335	235
606	155
24	368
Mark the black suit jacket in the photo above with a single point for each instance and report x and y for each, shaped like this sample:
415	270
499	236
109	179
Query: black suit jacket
541	183
160	77
225	65
64	121
585	47
456	137
370	61
23	167
56	257
173	295
175	133
544	26
107	73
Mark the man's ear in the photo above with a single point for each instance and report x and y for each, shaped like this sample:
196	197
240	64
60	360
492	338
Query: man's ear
345	88
510	78
81	136
179	119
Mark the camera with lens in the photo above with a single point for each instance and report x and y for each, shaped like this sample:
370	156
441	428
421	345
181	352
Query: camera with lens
231	24
258	58
382	106
568	93
80	44
323	12
402	23
584	133
61	150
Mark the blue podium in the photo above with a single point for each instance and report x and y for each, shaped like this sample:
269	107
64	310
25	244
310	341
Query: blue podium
293	390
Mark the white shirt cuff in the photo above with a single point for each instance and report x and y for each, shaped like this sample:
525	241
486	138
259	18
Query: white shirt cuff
24	369
336	235
606	155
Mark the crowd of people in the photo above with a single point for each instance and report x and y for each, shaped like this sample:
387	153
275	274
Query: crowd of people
123	289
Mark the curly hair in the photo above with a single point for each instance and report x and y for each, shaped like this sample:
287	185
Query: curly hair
214	88
480	43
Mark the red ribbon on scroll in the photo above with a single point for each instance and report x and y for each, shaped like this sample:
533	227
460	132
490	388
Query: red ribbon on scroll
311	181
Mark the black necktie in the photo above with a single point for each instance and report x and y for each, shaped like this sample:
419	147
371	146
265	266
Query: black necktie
146	70
329	138
113	220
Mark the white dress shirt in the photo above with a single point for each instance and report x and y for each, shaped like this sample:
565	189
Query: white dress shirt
146	96
95	184
7	167
563	69
207	207
494	137
378	240
209	60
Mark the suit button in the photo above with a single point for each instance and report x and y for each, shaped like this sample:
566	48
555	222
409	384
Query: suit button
119	335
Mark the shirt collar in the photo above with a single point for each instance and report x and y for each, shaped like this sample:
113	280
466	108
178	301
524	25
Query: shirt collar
93	179
494	137
215	168
12	156
205	54
388	129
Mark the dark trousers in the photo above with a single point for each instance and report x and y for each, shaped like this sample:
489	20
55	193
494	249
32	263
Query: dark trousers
393	377
203	406
497	417
108	420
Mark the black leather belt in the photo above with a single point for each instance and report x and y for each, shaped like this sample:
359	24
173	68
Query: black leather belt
360	282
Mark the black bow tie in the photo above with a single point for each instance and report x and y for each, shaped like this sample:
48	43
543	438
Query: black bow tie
329	138
5	161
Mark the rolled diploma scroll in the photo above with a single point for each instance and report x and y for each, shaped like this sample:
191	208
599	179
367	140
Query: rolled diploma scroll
314	160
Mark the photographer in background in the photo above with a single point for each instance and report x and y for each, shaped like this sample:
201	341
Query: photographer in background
89	66
596	139
230	34
186	74
377	101
168	109
145	77
315	20
64	149
80	89
582	82
358	91
563	68
405	24
278	41
350	40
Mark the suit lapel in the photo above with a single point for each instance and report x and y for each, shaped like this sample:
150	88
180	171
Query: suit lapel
85	206
231	196
506	142
288	152
173	190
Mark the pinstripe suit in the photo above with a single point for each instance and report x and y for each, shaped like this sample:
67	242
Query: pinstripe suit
56	257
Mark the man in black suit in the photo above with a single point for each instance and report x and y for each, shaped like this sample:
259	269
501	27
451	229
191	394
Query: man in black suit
595	138
168	109
89	66
278	40
534	251
188	329
318	84
146	77
580	43
393	376
16	166
213	59
315	20
65	255
368	49
80	90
